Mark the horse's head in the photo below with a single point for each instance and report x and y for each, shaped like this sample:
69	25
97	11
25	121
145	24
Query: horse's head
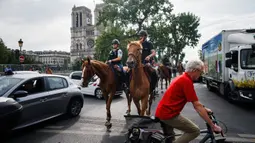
134	53
87	72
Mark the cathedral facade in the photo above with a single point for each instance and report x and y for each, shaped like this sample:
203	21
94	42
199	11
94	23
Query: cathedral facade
82	33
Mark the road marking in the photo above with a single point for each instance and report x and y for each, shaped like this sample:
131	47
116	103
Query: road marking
246	135
54	127
89	132
90	126
93	131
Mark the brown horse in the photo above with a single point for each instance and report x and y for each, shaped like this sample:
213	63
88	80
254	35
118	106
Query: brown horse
165	74
139	84
108	84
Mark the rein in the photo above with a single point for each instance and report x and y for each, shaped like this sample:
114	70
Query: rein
134	56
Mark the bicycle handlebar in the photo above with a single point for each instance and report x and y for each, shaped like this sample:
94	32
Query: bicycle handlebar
214	120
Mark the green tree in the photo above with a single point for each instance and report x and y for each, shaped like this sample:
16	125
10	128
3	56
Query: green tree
132	16
182	56
104	43
137	13
169	33
184	32
77	64
3	52
200	55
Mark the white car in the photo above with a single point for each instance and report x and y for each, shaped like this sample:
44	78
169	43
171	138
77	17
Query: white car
93	86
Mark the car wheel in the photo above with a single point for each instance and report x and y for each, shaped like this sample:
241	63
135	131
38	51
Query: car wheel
74	107
98	93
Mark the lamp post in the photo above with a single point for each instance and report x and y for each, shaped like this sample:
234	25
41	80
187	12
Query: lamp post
20	46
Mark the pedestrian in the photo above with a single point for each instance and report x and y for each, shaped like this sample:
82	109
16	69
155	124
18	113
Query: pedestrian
48	70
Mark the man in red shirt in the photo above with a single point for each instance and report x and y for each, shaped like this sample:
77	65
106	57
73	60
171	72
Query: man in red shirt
181	91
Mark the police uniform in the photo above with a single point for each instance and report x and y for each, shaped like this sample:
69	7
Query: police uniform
147	47
115	53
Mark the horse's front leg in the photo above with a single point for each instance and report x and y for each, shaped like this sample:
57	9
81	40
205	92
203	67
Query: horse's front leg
150	103
108	123
161	80
166	82
137	104
129	100
144	102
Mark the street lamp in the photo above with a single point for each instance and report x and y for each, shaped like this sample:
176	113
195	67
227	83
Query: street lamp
20	45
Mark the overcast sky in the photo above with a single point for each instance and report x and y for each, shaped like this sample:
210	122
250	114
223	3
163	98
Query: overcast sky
45	24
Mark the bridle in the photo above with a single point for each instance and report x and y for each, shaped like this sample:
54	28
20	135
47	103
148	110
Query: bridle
134	56
89	72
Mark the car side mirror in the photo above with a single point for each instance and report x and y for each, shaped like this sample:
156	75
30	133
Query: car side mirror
20	93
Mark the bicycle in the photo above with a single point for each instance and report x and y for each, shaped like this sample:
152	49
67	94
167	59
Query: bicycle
139	133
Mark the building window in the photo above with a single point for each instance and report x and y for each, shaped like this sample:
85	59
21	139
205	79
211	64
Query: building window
77	18
88	20
80	19
77	46
80	46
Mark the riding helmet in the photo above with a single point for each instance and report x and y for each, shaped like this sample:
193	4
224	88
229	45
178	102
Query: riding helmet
115	41
143	33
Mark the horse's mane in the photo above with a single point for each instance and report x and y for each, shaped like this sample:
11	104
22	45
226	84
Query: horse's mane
97	65
136	43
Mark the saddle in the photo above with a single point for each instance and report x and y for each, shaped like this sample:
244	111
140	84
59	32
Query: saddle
119	75
151	74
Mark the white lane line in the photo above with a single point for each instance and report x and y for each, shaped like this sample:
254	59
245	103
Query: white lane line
89	132
96	132
231	139
54	127
246	135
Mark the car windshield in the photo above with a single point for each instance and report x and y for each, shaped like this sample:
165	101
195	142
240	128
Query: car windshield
247	59
6	83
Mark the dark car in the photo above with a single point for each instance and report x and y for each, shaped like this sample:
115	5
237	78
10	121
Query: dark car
42	96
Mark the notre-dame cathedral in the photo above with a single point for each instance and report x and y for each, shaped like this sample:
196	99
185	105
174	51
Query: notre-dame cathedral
83	32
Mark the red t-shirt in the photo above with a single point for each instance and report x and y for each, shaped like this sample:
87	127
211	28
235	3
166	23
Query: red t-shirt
180	91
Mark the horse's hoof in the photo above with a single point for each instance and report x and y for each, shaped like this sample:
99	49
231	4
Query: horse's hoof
109	126
106	123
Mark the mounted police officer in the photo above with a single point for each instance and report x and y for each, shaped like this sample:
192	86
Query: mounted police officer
115	57
148	53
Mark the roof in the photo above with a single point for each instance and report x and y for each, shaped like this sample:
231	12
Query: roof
32	75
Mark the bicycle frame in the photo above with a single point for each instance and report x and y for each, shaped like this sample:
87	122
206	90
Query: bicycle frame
209	134
142	129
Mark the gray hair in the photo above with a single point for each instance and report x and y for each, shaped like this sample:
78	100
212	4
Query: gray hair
194	65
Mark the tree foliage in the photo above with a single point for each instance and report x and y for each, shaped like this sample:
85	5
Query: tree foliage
77	64
169	33
104	43
136	13
184	32
200	54
11	56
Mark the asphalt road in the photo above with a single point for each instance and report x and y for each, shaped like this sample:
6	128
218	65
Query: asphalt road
89	126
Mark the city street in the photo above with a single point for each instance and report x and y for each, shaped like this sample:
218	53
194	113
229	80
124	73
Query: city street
89	126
